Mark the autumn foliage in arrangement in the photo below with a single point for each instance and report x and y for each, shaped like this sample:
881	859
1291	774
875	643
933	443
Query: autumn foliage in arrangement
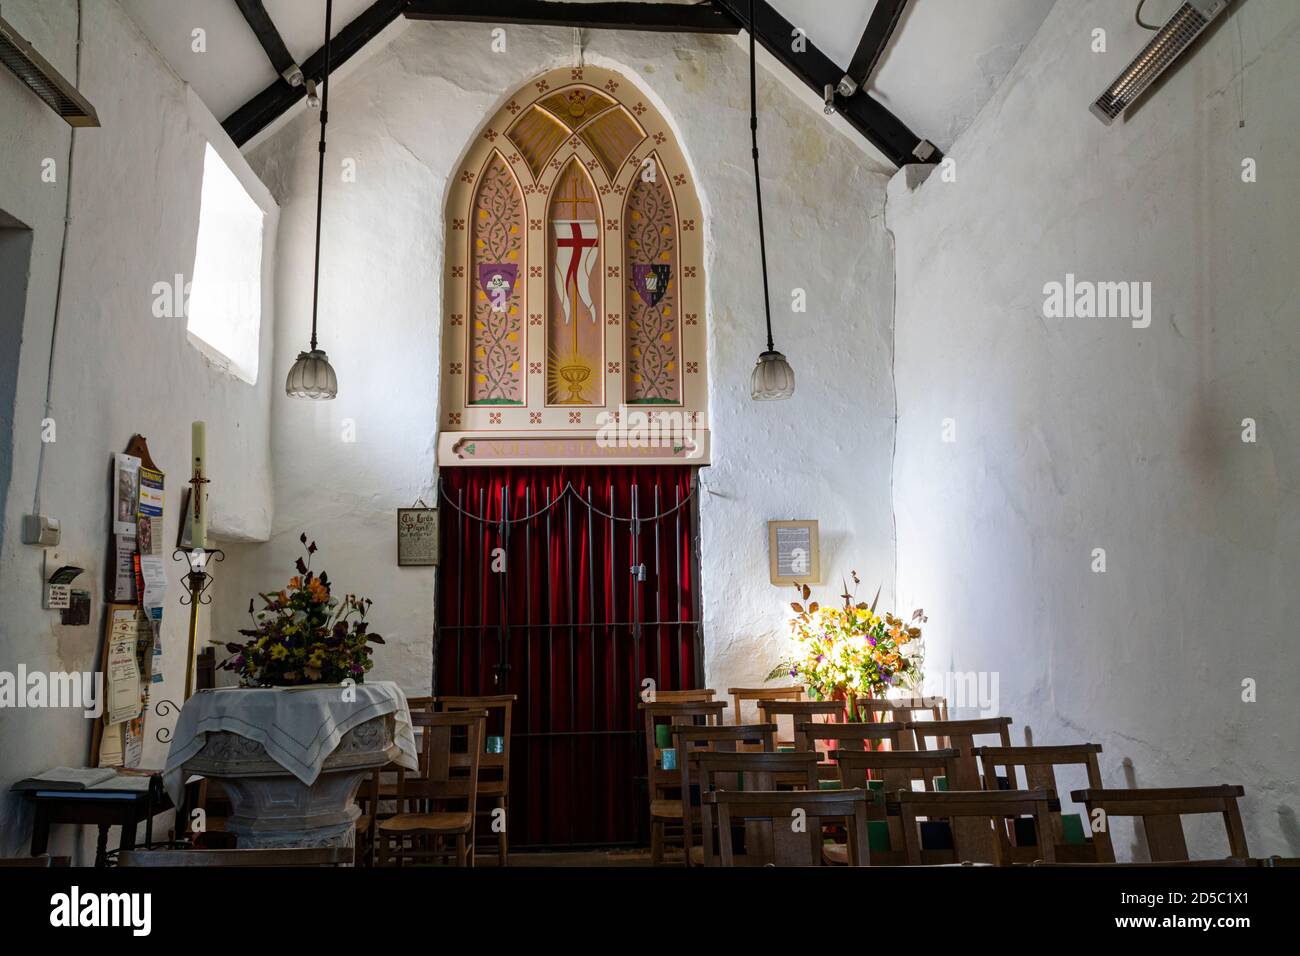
304	635
843	653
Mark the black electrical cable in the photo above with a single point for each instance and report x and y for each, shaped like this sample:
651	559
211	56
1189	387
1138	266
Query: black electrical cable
758	185
320	180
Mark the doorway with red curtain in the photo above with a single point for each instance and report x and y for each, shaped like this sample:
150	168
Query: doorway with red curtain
570	586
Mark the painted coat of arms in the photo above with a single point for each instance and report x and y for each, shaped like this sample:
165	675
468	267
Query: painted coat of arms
651	282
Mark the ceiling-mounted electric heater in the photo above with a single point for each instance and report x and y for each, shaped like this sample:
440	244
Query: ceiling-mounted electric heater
1169	43
22	60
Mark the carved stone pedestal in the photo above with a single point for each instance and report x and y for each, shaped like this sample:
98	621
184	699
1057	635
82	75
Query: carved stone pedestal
273	808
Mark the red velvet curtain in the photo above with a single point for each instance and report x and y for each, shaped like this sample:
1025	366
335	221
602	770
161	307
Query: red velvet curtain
547	607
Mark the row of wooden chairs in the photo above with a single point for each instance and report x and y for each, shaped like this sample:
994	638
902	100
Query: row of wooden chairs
970	794
460	789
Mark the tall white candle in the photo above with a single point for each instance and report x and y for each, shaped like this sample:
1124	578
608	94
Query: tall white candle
198	504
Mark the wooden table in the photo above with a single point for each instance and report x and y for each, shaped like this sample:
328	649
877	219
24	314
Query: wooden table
102	807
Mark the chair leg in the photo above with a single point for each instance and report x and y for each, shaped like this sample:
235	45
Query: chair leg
461	855
656	842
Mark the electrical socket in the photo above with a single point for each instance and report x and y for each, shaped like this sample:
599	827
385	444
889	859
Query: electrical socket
40	530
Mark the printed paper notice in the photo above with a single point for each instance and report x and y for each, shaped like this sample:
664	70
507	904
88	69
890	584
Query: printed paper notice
123	672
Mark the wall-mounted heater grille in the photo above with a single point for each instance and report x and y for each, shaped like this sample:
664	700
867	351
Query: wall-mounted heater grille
1166	46
22	60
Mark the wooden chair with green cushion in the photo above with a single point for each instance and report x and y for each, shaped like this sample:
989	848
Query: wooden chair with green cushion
688	740
663	784
1160	813
960	736
746	771
1037	766
439	804
977	821
883	773
791	824
494	768
742	695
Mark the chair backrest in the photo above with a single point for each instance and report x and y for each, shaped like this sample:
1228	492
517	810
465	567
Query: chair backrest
985	840
798	711
902	710
1161	812
740	695
451	751
849	736
42	861
421	703
960	736
499	709
794	824
745	770
296	856
703	712
684	696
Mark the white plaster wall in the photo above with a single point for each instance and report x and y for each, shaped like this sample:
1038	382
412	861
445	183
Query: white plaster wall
406	115
1082	434
118	370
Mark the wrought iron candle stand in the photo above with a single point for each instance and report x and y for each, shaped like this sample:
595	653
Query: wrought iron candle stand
197	582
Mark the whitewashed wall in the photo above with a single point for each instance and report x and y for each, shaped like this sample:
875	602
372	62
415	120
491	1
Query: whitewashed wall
405	116
1078	434
118	370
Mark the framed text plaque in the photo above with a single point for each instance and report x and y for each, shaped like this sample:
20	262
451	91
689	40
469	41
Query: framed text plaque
794	552
417	537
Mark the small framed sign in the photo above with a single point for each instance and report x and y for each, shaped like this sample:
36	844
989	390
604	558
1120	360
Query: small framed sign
417	537
794	552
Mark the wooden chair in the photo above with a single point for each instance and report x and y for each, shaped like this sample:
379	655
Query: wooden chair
688	740
985	812
494	768
368	820
306	856
684	696
740	695
788	844
960	736
1038	772
451	750
1160	812
886	772
745	771
845	737
799	711
902	710
665	801
427	704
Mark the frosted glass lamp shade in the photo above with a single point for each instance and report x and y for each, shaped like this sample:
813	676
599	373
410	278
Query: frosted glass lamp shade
773	378
312	377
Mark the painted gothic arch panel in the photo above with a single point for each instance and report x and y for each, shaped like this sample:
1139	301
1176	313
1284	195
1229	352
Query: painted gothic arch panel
575	300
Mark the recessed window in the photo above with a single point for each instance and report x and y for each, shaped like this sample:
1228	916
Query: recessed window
225	304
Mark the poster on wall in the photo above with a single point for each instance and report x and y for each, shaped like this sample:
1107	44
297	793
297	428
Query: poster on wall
126	490
794	552
417	537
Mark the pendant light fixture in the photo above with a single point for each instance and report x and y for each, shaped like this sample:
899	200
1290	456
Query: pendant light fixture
312	376
773	378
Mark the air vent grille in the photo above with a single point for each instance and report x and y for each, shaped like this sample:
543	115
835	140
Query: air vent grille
1167	45
22	60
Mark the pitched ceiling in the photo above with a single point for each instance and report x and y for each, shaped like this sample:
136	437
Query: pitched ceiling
944	62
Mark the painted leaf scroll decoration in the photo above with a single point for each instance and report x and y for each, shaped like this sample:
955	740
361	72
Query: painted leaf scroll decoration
496	280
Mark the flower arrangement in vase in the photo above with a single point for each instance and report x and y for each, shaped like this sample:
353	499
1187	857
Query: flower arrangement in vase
304	635
843	653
